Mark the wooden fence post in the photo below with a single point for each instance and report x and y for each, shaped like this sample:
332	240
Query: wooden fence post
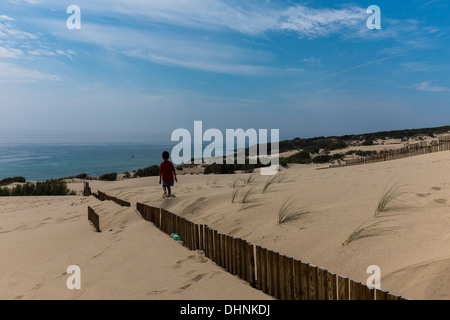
261	264
250	266
276	275
289	270
321	283
343	288
216	247
355	290
270	274
367	293
312	282
331	286
381	294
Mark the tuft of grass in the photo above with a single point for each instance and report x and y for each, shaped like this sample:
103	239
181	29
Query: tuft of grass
236	183
246	196
366	230
281	177
250	179
234	194
213	182
287	213
268	183
389	200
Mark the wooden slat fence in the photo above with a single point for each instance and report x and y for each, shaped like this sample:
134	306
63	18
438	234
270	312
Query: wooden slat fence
411	150
94	218
277	275
104	197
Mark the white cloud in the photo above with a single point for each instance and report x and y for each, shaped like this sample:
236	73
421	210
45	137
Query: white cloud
427	86
6	18
13	73
310	22
33	2
224	68
8	53
9	32
247	17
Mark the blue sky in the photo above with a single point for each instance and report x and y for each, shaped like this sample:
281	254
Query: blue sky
137	70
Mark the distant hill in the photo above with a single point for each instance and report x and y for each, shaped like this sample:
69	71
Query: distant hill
313	145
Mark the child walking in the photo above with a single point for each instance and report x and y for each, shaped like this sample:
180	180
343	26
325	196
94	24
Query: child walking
167	174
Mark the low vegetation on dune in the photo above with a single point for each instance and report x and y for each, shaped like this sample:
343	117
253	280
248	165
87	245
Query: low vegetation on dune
227	168
369	228
109	177
389	200
287	212
46	188
151	171
7	181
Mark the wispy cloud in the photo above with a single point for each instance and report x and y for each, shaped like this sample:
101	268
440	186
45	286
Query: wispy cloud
13	73
428	87
8	53
310	22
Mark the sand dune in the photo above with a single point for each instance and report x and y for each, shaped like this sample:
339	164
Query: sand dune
338	201
132	259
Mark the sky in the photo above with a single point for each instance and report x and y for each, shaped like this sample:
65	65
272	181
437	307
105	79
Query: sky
139	69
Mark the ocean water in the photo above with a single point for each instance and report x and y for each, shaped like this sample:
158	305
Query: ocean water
53	161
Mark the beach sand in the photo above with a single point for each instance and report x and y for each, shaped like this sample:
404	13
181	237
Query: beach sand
131	259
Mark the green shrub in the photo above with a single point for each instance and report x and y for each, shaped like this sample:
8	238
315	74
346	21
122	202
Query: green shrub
302	157
7	181
220	169
325	158
151	171
368	142
47	188
232	168
109	177
338	156
4	192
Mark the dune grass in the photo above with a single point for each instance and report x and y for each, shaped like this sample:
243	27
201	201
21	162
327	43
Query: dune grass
367	229
389	200
268	183
246	196
278	178
235	194
281	177
250	179
212	182
236	183
288	213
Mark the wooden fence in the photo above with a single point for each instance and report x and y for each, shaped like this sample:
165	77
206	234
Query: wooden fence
87	192
103	196
275	274
94	218
411	150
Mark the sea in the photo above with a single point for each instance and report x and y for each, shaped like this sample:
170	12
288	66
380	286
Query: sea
39	162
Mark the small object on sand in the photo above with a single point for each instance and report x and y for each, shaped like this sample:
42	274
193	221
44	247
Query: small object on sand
175	237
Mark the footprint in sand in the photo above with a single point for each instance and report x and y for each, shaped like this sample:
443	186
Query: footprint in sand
441	201
199	277
152	293
423	195
436	188
186	286
37	286
233	232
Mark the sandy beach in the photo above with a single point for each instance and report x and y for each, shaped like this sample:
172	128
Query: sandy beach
131	259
